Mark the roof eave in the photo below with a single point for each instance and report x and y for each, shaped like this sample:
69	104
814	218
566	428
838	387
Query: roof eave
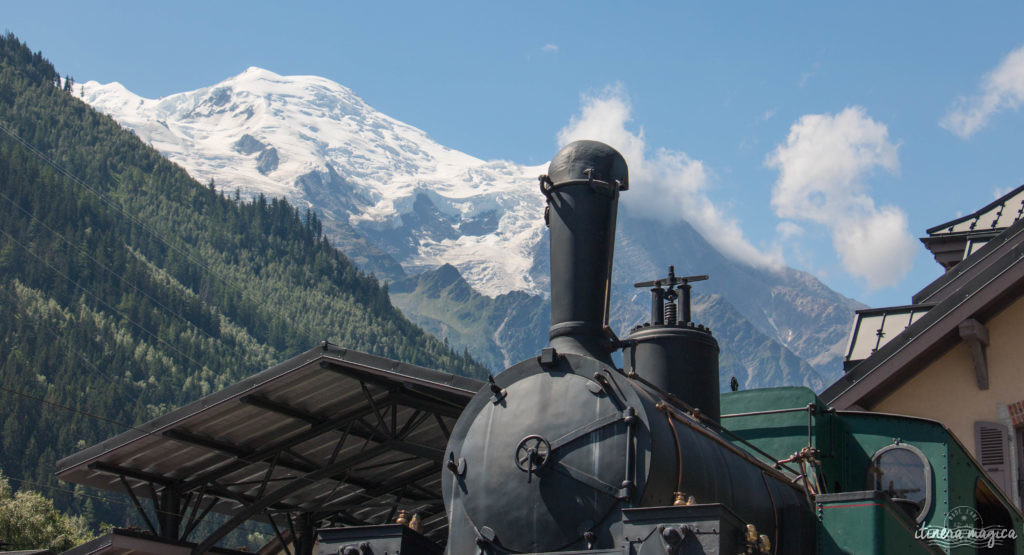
983	295
976	213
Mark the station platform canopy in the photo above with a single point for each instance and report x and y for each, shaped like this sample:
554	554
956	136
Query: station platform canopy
331	437
131	542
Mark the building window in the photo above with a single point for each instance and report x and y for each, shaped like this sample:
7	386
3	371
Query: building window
992	449
902	471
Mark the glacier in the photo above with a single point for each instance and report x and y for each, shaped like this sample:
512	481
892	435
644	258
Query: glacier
402	206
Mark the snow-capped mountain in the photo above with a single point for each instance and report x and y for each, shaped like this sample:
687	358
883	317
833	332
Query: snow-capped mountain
401	204
318	144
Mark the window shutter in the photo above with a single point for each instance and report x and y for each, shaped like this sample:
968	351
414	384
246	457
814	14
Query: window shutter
991	448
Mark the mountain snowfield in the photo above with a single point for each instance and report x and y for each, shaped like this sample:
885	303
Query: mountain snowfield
260	132
403	206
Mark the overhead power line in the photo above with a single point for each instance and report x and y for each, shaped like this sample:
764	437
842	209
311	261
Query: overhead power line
134	220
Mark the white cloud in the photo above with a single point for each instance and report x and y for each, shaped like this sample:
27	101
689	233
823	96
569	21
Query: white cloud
549	48
666	184
1002	89
876	246
822	167
788	230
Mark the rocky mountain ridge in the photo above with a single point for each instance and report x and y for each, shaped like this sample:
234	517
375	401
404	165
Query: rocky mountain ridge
412	211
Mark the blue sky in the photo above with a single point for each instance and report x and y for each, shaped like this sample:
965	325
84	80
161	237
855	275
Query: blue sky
822	134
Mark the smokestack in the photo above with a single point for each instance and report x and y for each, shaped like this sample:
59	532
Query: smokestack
582	189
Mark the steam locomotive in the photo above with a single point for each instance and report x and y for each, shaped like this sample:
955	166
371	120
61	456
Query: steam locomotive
568	453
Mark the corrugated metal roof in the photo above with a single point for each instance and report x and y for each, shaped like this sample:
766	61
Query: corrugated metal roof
346	436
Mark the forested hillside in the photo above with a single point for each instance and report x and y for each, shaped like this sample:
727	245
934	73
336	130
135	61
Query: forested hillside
127	288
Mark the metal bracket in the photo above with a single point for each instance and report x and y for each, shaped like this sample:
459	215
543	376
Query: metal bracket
485	539
545	185
975	334
498	394
456	468
548	357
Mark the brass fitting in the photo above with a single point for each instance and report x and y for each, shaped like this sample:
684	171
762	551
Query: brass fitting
402	518
751	535
679	498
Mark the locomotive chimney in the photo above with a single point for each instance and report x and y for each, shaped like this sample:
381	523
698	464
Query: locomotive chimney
582	189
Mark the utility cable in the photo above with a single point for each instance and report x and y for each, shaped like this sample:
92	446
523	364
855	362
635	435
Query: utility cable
6	476
121	277
92	365
296	479
129	217
99	299
111	271
142	225
67	408
78	411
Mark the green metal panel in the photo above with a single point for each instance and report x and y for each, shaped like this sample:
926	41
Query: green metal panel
955	473
868	432
784	433
778	421
866	522
964	475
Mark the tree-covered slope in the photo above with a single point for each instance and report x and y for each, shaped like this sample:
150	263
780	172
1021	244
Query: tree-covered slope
127	288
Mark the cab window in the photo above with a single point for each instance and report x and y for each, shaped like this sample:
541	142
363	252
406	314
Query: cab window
902	471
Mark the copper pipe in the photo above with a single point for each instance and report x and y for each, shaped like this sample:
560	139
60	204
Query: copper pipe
679	453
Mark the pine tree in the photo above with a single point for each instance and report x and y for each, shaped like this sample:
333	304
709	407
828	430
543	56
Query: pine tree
132	289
